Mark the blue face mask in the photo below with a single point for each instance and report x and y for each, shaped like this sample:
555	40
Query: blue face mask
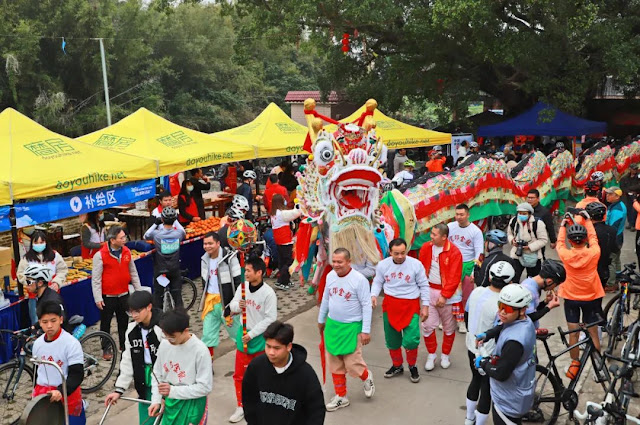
522	217
39	247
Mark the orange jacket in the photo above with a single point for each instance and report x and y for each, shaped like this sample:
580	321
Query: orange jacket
450	266
435	165
636	206
581	264
586	201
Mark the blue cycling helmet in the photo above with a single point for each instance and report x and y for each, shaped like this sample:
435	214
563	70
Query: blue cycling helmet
497	236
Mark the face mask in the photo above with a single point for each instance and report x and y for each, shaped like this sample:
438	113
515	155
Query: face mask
522	217
189	189
101	217
39	247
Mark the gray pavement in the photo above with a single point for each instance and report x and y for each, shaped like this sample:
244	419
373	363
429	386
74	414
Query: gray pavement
439	398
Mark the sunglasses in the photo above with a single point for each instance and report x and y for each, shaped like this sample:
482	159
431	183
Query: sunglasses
507	308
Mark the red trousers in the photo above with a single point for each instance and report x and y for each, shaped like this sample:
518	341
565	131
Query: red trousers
242	361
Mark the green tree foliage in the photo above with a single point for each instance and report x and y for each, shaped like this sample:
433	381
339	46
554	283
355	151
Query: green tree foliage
449	51
198	64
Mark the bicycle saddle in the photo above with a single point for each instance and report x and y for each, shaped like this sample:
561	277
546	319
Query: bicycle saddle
542	333
75	320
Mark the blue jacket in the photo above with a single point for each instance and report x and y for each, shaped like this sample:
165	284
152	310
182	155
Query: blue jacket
616	217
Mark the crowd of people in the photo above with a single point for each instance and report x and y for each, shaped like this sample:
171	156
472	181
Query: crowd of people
461	281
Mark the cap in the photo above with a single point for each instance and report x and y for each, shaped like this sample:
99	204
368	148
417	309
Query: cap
614	189
526	207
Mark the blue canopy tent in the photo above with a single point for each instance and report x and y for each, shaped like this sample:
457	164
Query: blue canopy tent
543	120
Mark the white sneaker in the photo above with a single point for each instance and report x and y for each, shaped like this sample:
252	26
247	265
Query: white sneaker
237	416
431	362
336	403
369	386
444	361
462	328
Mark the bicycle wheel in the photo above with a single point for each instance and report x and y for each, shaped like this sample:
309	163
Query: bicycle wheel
547	399
614	327
97	370
189	293
631	349
16	391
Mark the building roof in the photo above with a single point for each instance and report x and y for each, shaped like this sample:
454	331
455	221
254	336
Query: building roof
301	96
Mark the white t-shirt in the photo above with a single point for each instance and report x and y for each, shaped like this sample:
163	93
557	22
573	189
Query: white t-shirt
483	310
64	350
462	151
434	270
157	214
403	177
469	240
347	299
145	344
407	280
213	286
281	370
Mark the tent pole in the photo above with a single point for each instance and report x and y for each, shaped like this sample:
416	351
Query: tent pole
104	80
16	248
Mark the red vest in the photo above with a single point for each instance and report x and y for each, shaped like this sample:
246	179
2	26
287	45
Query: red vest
115	274
191	209
283	235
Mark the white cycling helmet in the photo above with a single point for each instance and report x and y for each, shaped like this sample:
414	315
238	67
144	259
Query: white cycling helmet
502	270
240	202
235	213
473	144
515	295
249	174
597	176
499	155
36	272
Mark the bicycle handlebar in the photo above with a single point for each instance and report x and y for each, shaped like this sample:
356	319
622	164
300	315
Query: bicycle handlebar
597	410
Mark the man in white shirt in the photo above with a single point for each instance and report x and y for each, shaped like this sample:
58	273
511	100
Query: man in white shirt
405	176
467	237
344	321
166	200
405	285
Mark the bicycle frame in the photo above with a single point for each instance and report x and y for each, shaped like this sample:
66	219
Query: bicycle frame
588	352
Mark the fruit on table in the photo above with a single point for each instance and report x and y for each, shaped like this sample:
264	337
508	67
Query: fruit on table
202	227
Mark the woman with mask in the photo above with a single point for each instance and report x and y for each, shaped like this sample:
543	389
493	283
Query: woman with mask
40	252
92	234
527	236
187	208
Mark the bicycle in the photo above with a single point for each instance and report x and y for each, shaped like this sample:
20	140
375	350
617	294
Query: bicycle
189	293
550	392
624	307
613	410
16	376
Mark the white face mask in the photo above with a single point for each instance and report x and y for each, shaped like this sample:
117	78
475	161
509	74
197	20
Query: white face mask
189	189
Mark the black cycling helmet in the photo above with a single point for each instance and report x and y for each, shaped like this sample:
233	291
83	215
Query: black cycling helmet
169	215
596	210
577	233
553	269
593	186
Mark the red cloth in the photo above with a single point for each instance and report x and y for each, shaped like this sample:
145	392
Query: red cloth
273	189
450	266
174	184
431	342
242	361
412	357
115	274
74	401
400	311
396	357
339	384
283	235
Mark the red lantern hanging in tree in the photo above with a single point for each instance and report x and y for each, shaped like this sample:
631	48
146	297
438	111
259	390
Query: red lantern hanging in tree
345	43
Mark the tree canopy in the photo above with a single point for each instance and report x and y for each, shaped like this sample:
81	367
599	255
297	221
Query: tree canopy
199	65
560	51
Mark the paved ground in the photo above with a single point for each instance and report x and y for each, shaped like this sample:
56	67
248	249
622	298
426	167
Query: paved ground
439	396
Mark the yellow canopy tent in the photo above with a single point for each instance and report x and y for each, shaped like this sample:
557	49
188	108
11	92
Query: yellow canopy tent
272	133
175	148
37	162
397	135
